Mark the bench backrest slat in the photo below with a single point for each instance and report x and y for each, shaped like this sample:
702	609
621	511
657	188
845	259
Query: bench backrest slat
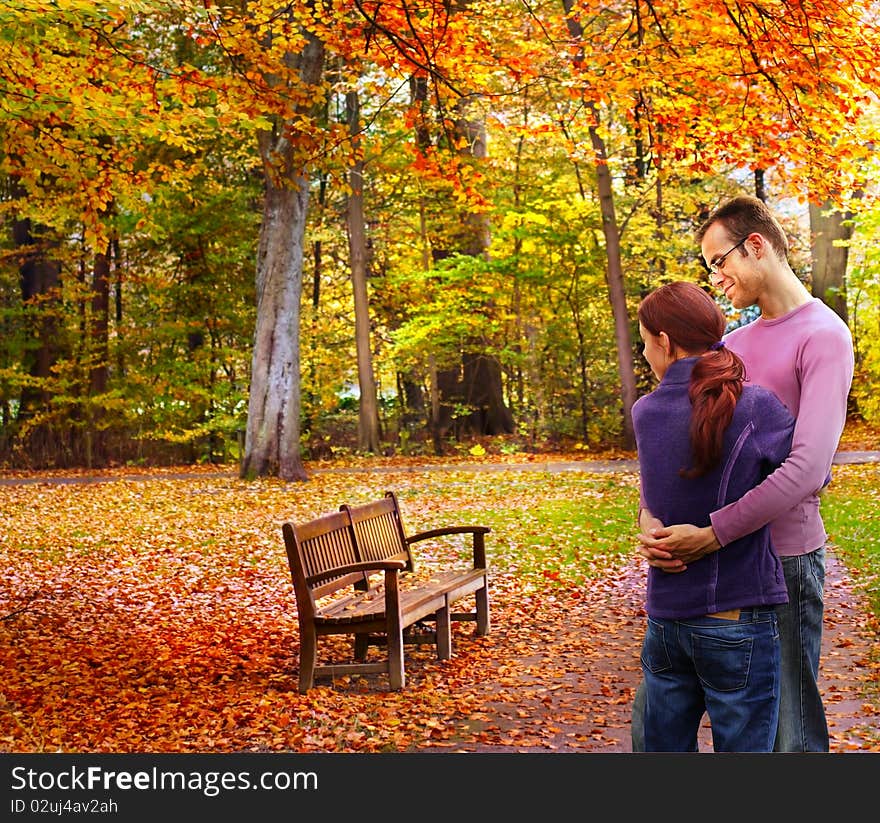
319	545
379	531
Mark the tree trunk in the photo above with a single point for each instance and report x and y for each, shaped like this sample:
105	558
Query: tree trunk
419	96
100	324
40	279
474	237
317	273
483	388
434	393
478	384
614	265
99	356
118	306
273	427
574	306
616	290
368	412
828	225
760	187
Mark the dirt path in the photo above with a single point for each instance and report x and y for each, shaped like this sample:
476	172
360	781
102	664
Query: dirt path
574	693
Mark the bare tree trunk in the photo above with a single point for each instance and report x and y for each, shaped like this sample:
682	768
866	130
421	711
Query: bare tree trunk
828	225
478	383
99	355
40	282
100	324
434	392
273	427
573	299
368	413
118	306
616	291
760	187
317	274
419	94
614	265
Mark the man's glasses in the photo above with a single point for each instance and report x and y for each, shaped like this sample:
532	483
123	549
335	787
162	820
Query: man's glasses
717	264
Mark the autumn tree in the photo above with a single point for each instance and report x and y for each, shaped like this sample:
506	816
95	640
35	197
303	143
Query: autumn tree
162	165
296	83
688	78
295	87
65	85
108	115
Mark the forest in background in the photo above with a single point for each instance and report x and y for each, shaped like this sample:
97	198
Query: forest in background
264	231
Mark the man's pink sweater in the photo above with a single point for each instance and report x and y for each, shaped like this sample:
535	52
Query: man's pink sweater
806	358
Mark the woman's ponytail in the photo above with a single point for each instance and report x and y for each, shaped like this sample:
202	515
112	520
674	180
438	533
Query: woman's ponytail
694	324
716	385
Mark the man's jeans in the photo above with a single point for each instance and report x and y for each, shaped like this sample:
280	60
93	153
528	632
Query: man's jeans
802	725
729	668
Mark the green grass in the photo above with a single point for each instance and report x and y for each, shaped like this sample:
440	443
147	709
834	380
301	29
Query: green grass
851	513
561	539
573	527
566	527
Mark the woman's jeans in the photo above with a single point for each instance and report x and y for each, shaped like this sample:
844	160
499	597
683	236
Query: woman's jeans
802	724
728	668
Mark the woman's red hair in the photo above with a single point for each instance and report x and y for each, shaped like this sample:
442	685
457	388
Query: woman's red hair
694	322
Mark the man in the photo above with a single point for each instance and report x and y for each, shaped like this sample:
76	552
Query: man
802	351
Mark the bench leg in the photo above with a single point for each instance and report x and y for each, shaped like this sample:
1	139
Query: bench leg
361	646
482	601
395	633
444	633
308	654
395	658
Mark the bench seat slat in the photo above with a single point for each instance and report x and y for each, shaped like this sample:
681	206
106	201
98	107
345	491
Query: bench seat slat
414	605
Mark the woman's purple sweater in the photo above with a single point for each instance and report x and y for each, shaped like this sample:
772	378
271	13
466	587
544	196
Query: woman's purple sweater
747	571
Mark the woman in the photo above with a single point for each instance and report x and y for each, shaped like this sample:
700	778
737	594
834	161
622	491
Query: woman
704	439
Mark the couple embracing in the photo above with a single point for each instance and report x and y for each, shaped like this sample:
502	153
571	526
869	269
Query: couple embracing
735	445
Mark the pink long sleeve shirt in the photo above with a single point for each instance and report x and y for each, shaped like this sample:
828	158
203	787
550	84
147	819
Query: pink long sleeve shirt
806	358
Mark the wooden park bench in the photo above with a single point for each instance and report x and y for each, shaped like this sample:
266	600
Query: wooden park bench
354	573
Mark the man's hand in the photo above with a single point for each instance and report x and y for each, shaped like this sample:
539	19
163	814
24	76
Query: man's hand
676	545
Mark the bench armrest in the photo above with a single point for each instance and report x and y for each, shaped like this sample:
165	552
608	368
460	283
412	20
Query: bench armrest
478	533
369	566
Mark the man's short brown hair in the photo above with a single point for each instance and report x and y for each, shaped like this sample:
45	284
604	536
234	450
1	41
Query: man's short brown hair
745	215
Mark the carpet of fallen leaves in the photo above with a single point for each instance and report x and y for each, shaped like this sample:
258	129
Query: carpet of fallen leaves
157	615
860	436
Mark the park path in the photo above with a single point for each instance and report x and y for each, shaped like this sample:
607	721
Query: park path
550	466
589	670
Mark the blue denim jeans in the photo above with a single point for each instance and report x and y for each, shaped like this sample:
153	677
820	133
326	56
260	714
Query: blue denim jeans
728	668
802	725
